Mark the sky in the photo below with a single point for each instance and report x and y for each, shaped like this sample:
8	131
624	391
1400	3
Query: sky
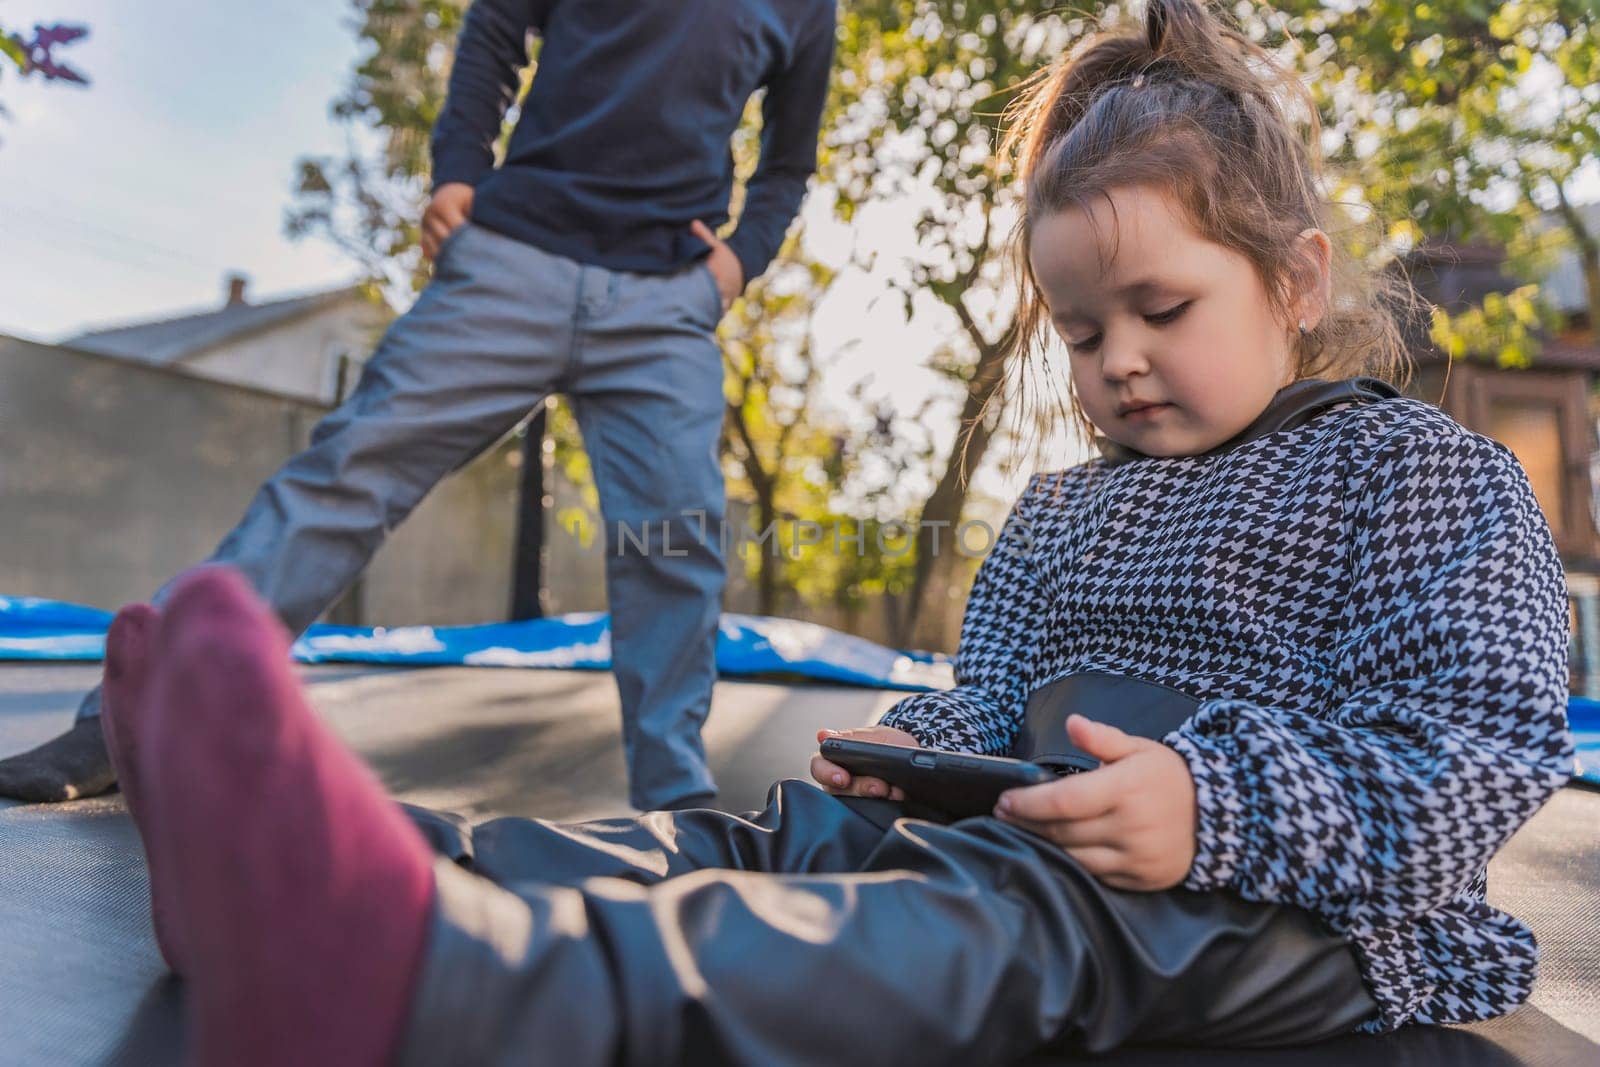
134	198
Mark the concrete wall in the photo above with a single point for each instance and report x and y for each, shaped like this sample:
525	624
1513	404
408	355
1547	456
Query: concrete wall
298	358
114	476
451	563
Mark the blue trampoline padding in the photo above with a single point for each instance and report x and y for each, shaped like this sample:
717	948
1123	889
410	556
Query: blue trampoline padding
32	629
746	644
1583	716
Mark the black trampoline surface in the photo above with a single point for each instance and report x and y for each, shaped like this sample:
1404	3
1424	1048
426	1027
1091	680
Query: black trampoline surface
81	982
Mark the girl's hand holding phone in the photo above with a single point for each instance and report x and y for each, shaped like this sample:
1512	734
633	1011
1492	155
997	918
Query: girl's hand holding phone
1130	823
835	779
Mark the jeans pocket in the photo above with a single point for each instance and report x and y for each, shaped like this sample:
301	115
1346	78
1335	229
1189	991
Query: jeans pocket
449	242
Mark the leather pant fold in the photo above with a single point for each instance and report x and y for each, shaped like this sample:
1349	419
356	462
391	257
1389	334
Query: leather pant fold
825	930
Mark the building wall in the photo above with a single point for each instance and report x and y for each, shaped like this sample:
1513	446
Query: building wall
117	475
299	358
451	563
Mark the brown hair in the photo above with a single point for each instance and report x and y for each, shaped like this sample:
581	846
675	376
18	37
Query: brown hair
1192	106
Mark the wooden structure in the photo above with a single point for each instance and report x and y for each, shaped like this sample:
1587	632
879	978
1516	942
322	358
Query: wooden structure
1545	413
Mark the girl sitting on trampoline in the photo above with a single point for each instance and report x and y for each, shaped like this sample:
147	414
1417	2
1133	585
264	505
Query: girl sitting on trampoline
1364	603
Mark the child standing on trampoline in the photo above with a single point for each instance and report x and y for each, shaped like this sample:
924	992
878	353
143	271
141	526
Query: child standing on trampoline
1365	606
583	263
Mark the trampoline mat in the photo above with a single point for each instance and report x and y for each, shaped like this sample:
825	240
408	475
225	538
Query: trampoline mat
81	981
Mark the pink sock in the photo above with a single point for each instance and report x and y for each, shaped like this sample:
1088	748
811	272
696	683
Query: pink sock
125	719
302	891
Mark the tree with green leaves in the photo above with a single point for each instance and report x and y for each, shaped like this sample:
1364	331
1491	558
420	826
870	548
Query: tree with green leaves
1454	119
36	54
1463	121
1457	120
369	202
776	448
921	89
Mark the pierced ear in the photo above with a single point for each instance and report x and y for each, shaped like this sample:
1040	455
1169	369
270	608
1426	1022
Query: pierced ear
1316	287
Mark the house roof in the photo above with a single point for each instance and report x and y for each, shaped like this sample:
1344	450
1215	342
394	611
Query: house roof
172	340
1468	270
1555	353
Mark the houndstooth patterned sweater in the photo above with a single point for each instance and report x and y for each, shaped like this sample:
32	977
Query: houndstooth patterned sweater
1373	614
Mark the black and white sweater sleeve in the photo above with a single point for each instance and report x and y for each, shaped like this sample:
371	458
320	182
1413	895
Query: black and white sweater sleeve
1448	728
995	659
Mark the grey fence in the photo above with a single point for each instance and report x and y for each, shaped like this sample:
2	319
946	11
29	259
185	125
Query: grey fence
115	475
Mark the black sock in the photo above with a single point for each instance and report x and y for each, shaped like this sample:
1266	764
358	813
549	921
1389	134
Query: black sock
68	767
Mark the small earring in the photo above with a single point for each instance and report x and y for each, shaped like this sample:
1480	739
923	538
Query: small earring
1305	331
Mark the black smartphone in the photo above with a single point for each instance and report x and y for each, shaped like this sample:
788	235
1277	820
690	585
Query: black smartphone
955	783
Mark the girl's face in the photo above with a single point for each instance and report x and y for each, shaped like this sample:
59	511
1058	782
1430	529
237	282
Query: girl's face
1174	346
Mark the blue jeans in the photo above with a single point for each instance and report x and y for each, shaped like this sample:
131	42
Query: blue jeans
503	325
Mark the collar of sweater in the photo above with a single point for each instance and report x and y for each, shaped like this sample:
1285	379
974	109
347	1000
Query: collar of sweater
1294	405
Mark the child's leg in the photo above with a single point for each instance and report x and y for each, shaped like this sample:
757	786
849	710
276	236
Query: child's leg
486	341
648	397
306	898
974	943
802	830
301	893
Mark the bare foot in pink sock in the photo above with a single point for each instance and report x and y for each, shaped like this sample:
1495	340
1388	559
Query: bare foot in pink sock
303	893
125	718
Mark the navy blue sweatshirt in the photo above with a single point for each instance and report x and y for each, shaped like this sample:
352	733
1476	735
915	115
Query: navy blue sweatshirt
623	139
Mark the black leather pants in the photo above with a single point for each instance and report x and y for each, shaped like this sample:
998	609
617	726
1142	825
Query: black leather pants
831	931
